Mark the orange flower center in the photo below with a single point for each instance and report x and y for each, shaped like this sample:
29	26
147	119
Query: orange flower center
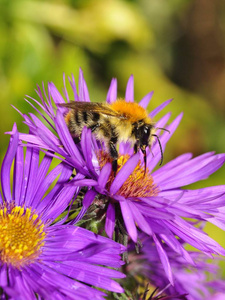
21	236
138	184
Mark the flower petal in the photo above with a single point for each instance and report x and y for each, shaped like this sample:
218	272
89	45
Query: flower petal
112	92
164	259
7	163
128	220
110	220
145	101
124	173
159	108
129	95
88	199
83	90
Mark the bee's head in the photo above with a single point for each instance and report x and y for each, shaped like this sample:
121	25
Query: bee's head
146	138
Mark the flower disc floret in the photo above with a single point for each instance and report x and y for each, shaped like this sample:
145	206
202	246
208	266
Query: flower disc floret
139	184
22	236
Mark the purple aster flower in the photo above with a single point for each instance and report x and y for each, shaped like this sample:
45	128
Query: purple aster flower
191	282
154	201
41	257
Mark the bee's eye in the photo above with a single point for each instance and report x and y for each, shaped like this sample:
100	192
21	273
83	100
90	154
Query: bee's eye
146	130
145	135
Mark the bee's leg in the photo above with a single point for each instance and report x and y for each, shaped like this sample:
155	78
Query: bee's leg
76	140
136	133
143	150
136	146
112	148
114	154
114	166
94	127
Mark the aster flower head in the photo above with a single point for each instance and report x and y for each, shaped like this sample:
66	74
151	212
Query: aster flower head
192	282
39	255
134	199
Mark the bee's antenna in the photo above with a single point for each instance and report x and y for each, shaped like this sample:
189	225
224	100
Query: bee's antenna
160	146
161	128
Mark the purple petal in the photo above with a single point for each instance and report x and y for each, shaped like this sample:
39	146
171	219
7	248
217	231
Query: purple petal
104	175
7	163
151	212
129	95
66	137
139	218
145	101
42	171
33	139
55	94
110	220
18	175
73	86
125	148
27	163
194	236
59	196
173	163
187	174
128	220
46	183
159	108
54	207
124	173
112	92
83	90
39	112
65	89
44	131
162	122
153	161
164	259
87	149
93	275
88	199
181	165
31	178
84	182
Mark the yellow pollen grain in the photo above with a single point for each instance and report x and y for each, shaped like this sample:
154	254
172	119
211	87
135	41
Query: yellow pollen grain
138	184
21	236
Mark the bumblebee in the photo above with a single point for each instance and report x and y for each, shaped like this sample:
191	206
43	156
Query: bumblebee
119	121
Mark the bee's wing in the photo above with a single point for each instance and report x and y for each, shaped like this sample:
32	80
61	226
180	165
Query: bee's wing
95	107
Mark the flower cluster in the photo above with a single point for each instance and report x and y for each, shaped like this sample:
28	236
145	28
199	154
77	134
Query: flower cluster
39	254
44	250
190	280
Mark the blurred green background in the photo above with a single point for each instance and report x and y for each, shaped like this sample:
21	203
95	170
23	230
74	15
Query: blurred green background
174	47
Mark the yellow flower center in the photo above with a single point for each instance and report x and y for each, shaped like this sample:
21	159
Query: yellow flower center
138	184
21	236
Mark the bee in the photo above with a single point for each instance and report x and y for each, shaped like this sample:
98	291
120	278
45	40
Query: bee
119	121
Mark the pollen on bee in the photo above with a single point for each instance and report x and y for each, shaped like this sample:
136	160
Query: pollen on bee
138	184
131	110
68	117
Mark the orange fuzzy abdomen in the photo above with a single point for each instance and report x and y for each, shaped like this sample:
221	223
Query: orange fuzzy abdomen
68	117
133	111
